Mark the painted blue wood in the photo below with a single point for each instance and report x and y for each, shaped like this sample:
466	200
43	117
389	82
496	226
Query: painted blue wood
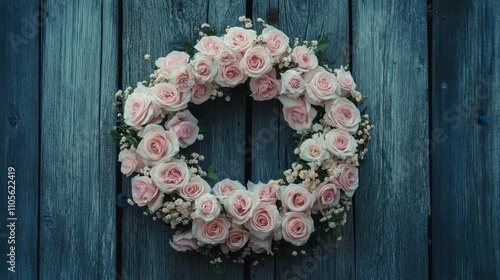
77	187
19	142
271	135
392	204
152	27
465	147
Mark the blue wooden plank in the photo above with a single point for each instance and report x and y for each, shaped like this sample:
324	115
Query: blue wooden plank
390	63
19	144
272	141
151	27
77	234
465	145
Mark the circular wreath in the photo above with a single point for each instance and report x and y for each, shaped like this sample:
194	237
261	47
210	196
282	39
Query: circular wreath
155	129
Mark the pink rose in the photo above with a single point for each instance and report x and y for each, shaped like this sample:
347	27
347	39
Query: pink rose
236	239
260	246
170	176
327	196
211	232
168	98
298	113
305	58
182	77
346	82
157	144
183	241
322	86
196	187
265	87
296	198
292	84
140	110
342	113
226	187
201	92
207	207
172	60
276	40
340	143
348	178
265	221
184	124
239	39
131	162
265	192
203	68
297	227
230	75
227	56
257	61
240	205
314	150
144	192
209	46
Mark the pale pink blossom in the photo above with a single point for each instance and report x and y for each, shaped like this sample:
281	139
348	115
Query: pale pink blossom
209	46
240	39
292	84
340	143
297	112
145	193
131	162
170	176
157	144
265	221
183	241
240	205
195	188
256	62
348	179
184	125
207	207
211	232
265	87
297	227
342	113
172	60
297	198
276	41
305	58
327	196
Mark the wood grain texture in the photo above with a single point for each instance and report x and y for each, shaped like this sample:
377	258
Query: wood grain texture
392	204
19	81
271	137
151	27
465	151
77	234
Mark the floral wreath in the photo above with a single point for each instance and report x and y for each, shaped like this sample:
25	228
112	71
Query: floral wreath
155	129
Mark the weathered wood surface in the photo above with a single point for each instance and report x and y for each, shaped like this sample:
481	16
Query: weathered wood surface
271	136
20	135
153	27
59	85
77	181
465	148
392	204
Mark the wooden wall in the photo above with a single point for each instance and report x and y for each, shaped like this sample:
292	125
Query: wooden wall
429	197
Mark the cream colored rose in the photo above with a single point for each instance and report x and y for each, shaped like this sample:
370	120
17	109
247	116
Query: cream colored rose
314	150
340	143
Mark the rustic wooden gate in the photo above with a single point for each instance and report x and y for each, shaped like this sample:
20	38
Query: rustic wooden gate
425	208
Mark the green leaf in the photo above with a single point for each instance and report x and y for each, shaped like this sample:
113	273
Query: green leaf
203	126
211	172
321	47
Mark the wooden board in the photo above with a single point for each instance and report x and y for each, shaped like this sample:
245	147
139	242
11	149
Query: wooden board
271	145
77	186
392	203
20	136
152	27
465	150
